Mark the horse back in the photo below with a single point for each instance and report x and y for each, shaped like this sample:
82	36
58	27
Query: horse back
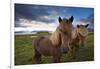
43	45
36	41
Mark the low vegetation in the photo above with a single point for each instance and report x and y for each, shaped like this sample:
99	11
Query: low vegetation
24	51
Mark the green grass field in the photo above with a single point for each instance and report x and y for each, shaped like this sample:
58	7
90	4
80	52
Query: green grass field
24	51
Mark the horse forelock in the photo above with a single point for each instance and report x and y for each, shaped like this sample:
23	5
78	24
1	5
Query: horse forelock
83	32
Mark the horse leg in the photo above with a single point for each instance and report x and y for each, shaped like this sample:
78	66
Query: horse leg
83	42
37	57
73	52
57	57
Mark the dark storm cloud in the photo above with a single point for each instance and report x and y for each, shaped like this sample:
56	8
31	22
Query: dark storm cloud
89	20
41	13
50	14
36	12
32	12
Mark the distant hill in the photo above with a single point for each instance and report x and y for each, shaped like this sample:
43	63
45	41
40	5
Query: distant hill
31	32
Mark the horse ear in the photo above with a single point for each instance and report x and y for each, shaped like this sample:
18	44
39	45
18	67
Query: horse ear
78	26
86	25
60	19
71	18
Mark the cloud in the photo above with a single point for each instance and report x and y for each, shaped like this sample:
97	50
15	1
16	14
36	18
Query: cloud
26	25
41	13
89	20
46	17
31	12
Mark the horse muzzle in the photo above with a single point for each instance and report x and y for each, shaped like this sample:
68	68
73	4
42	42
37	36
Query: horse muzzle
64	50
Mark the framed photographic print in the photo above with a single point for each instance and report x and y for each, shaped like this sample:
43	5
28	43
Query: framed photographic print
52	34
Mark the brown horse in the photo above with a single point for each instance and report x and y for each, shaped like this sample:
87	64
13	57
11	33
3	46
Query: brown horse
79	36
57	44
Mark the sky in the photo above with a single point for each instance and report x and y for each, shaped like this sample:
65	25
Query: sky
30	17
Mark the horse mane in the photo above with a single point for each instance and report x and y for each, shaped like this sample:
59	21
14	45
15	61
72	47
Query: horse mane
82	32
74	33
56	38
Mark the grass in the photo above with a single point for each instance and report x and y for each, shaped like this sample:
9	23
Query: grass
24	51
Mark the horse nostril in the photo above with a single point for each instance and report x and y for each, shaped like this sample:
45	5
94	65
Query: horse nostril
65	50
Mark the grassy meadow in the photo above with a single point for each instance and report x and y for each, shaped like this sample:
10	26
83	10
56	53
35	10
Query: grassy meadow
24	51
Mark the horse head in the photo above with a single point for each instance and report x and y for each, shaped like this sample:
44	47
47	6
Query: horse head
82	33
65	27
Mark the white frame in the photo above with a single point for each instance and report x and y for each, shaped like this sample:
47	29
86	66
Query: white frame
78	3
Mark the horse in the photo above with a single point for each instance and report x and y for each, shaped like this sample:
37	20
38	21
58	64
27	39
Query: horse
79	36
56	44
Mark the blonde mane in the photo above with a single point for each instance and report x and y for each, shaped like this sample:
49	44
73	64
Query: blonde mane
55	37
83	32
74	33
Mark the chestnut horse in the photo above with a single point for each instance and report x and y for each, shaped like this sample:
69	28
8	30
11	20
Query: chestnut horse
79	36
56	44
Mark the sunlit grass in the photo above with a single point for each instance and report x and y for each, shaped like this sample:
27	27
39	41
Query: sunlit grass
24	51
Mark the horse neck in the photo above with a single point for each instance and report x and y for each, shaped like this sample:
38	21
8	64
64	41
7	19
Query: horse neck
55	38
75	36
